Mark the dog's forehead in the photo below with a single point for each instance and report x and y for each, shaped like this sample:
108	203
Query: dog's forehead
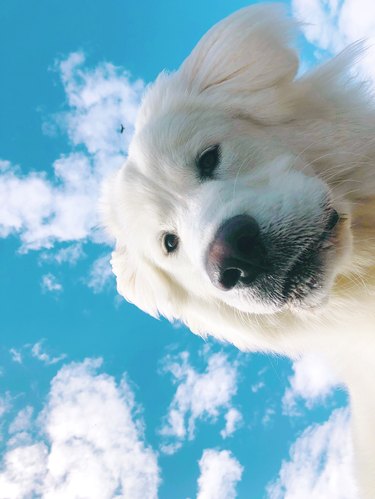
163	154
174	138
143	205
151	202
147	190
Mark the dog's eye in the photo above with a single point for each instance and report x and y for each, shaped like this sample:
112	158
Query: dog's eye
208	161
170	242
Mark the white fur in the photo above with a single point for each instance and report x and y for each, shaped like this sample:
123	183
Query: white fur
288	145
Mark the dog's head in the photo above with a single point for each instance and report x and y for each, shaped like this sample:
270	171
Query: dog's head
217	206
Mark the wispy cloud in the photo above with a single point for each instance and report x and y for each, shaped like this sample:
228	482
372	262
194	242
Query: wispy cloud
320	463
63	207
40	353
93	445
220	473
101	274
22	422
37	351
199	395
50	283
16	355
233	421
257	386
69	254
268	416
5	403
19	429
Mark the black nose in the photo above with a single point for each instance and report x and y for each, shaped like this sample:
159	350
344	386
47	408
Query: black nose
236	254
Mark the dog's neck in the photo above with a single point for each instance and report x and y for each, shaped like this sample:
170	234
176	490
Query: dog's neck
349	344
352	355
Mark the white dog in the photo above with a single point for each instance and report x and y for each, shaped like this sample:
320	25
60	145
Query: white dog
246	207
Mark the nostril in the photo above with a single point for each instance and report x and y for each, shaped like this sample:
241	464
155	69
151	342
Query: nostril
230	277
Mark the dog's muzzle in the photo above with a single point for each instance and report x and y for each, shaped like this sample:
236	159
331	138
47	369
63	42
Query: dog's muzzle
276	268
236	255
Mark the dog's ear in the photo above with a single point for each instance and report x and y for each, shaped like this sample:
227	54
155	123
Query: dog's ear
245	53
247	50
146	286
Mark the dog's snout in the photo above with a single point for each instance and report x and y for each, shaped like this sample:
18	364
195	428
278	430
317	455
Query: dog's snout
236	254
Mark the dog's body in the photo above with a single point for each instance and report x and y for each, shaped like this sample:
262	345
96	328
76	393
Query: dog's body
246	208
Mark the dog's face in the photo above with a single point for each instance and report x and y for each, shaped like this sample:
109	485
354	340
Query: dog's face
214	204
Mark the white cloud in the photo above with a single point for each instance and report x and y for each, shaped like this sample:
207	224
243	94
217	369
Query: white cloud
20	428
100	100
320	463
100	274
15	213
198	395
38	352
321	19
331	25
233	420
268	416
70	254
50	283
22	422
312	380
5	403
43	209
16	355
4	165
93	444
24	469
220	472
257	386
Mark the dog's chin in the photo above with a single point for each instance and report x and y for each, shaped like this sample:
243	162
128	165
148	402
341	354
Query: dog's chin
307	284
307	293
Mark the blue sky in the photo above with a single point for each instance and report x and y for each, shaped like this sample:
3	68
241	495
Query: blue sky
97	399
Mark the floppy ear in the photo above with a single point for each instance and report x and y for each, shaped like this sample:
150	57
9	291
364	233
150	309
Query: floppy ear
247	50
146	286
246	53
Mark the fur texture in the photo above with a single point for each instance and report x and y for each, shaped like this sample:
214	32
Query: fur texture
290	149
